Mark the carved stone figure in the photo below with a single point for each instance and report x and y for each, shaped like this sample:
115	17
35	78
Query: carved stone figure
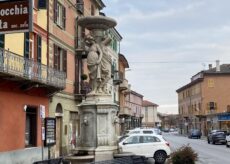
105	65
99	64
93	60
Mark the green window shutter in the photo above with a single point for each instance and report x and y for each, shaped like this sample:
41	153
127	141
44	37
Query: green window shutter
63	17
39	49
42	4
27	45
65	61
55	11
2	41
55	57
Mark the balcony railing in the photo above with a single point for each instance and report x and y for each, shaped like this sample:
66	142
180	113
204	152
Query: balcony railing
117	77
125	111
124	85
13	64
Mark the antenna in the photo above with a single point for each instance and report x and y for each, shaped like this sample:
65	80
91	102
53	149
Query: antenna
204	65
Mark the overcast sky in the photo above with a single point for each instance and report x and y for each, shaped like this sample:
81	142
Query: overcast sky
168	41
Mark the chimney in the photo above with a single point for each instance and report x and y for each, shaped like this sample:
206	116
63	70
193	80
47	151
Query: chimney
217	65
210	66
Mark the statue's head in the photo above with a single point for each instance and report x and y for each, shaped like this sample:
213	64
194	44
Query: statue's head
89	39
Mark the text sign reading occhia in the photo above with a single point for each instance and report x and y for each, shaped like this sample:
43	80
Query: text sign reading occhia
14	16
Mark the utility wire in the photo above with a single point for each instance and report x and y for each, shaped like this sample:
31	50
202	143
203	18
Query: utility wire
175	62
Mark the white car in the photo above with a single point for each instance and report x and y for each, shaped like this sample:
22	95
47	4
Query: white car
228	140
144	131
148	145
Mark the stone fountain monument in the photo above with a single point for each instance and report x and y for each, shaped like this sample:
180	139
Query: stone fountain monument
98	113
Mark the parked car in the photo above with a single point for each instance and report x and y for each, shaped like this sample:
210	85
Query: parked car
217	136
227	140
194	133
166	130
148	145
145	131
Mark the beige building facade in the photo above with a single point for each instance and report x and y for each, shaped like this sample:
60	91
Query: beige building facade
204	102
150	116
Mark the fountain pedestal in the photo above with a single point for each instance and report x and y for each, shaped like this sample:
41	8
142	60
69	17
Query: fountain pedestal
98	113
97	130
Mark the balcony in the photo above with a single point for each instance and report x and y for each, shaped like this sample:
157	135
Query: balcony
117	77
17	68
80	47
124	85
125	111
212	112
199	113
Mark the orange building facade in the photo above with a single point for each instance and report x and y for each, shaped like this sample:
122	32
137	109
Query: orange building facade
27	81
204	102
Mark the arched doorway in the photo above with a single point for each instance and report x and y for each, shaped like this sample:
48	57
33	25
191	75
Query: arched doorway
58	115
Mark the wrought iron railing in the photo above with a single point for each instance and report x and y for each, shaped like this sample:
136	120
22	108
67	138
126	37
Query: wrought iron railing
19	66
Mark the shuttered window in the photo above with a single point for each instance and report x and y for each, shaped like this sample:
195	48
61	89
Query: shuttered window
2	41
39	49
26	45
59	14
42	4
60	58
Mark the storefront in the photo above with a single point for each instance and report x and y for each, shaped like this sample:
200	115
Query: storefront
224	121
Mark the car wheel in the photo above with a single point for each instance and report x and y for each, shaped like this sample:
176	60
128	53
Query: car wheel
213	142
227	144
160	157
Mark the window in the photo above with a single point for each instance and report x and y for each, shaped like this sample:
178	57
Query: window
2	41
148	139
133	140
26	45
60	59
2	45
80	6
59	14
146	114
39	49
210	83
31	127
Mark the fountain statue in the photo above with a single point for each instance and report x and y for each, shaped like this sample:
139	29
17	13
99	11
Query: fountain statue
98	113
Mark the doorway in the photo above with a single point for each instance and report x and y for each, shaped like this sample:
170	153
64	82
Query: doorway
59	120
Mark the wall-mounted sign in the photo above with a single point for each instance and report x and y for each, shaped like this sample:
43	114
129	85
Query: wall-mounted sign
42	111
224	117
50	131
15	16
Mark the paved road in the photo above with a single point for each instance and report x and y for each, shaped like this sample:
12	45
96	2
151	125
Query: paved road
207	153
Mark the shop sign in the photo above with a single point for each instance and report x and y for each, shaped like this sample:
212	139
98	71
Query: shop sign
15	16
224	117
50	131
42	111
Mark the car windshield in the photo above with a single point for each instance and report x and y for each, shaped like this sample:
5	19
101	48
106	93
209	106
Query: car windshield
122	138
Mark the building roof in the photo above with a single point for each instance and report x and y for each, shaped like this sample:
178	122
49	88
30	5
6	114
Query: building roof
224	70
134	93
123	60
189	84
148	103
100	4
